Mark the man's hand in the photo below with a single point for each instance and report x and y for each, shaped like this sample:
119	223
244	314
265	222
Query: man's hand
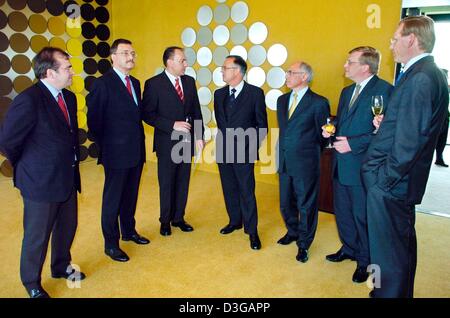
341	145
325	133
182	126
377	121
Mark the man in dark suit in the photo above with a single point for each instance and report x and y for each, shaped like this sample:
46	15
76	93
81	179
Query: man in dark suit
241	117
301	114
171	106
354	131
397	164
39	137
114	120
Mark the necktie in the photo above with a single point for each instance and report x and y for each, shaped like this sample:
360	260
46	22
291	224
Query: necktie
178	89
293	105
355	96
400	75
127	79
232	97
63	108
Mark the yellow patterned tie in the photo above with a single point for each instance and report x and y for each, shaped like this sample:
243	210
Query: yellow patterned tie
293	105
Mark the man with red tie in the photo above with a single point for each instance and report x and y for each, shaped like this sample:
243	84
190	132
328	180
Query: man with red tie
171	105
39	136
114	120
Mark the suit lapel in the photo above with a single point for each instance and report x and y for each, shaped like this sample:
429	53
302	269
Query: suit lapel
53	105
171	89
240	100
121	86
365	92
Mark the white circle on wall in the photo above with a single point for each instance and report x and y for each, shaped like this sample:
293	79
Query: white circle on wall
221	14
206	114
221	1
239	34
257	33
239	12
204	56
256	76
204	15
257	55
191	56
207	134
204	36
188	37
272	98
204	76
219	55
191	72
217	77
221	35
159	70
204	95
277	54
276	77
239	50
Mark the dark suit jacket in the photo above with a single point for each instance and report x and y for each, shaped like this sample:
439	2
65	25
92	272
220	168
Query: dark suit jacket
163	107
249	111
301	140
399	158
357	126
115	122
41	146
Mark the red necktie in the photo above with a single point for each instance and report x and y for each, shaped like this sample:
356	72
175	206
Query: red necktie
127	78
63	107
178	88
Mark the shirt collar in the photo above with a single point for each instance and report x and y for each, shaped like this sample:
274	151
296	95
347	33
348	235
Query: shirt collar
364	83
238	88
414	60
171	77
53	90
121	75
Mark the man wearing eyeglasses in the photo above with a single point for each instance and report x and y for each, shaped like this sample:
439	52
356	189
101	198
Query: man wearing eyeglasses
301	114
397	164
114	120
354	131
172	106
241	117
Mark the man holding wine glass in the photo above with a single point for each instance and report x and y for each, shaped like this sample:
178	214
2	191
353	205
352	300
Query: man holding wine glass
354	132
397	164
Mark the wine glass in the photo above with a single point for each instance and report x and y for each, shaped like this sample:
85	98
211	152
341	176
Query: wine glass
377	107
331	129
186	138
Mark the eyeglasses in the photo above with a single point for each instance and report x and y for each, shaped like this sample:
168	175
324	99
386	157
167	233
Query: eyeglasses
126	53
393	41
290	73
180	61
349	62
224	68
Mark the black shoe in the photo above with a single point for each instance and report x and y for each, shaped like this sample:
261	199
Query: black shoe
38	293
372	294
73	275
255	243
339	256
287	239
117	254
185	227
302	255
165	229
230	228
136	238
360	275
441	163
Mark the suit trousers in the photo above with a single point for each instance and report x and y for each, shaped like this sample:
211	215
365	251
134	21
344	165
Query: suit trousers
40	220
238	185
393	246
351	220
299	207
120	195
173	181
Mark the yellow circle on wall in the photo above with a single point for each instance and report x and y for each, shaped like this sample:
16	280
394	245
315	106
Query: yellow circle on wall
82	119
74	47
37	23
38	42
73	27
81	101
58	42
77	65
56	26
77	84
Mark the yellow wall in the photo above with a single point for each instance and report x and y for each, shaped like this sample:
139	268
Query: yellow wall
320	32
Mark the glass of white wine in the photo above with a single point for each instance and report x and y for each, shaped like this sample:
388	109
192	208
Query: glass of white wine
331	129
377	107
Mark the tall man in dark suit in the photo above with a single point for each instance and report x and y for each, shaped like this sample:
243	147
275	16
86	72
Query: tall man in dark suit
397	164
171	106
301	114
354	131
241	118
39	137
114	120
